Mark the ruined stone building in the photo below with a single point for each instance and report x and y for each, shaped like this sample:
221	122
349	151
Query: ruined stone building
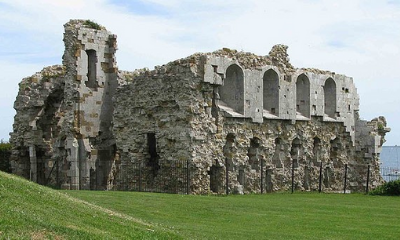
235	118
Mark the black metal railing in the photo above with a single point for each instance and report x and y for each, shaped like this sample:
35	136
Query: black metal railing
165	177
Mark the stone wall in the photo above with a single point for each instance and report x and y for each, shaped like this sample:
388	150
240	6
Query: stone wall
216	134
86	125
152	120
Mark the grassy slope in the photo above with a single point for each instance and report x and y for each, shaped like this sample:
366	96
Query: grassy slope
30	211
270	216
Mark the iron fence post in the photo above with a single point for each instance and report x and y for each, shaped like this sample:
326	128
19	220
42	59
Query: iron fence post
261	175
320	179
345	178
226	177
140	176
266	180
368	173
292	175
188	178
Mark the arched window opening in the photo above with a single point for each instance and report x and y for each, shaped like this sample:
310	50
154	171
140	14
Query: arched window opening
92	70
303	96
271	92
330	97
232	92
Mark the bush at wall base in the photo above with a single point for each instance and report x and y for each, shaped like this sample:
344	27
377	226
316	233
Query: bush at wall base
391	188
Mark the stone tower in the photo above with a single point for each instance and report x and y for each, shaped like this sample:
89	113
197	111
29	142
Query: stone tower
71	143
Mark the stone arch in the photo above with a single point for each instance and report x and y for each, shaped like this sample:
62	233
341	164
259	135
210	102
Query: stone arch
303	95
91	69
330	97
271	92
232	92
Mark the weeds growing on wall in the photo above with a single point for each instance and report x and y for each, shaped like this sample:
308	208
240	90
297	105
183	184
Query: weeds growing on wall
93	25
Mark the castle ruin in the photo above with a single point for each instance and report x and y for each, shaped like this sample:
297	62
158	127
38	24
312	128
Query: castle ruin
240	121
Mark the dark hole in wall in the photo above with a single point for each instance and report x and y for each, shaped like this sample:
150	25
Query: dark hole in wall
241	177
317	142
216	172
230	137
41	169
152	146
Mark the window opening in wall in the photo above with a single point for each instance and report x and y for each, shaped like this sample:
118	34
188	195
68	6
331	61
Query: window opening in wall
303	95
232	92
152	147
330	98
271	91
92	70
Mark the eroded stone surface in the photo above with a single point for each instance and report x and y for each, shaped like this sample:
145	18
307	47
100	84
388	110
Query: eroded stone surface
253	116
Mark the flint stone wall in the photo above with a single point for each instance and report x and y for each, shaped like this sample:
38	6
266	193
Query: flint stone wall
180	103
86	125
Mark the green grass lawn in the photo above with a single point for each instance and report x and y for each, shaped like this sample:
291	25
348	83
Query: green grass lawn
269	216
30	211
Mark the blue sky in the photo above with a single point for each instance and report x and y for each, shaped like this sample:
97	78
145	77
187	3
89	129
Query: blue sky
358	38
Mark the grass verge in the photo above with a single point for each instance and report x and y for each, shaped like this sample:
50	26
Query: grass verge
31	211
